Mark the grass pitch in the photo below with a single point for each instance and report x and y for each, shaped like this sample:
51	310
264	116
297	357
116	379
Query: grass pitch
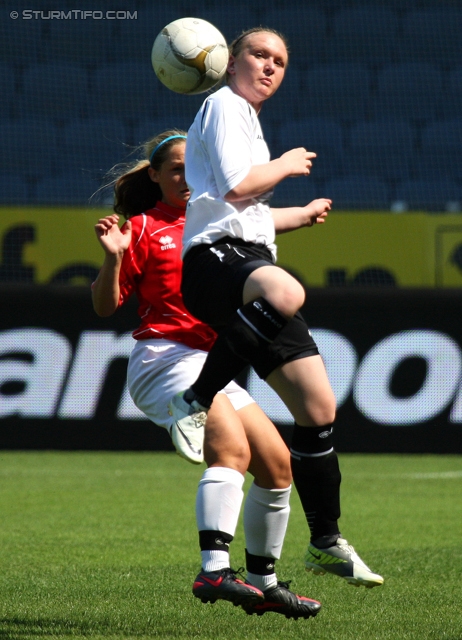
104	545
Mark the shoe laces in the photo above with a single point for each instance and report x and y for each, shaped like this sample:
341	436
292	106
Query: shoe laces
343	544
199	418
236	573
284	584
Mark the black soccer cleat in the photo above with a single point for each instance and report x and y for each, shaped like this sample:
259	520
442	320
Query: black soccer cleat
280	599
224	585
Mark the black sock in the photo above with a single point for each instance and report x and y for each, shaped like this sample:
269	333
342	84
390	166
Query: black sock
317	479
252	328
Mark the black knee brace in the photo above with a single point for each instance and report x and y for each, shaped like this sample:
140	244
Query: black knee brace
254	326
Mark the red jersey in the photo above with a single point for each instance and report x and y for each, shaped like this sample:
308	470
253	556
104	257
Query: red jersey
151	268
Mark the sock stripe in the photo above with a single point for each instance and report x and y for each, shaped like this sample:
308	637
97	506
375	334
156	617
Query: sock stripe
299	455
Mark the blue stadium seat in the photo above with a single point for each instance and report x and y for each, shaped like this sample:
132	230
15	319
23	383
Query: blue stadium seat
79	41
408	91
340	91
65	190
20	40
7	90
305	30
357	192
146	129
439	155
131	90
429	195
124	89
433	35
452	103
96	145
367	34
287	102
29	147
55	90
324	136
134	38
14	189
295	192
383	149
231	19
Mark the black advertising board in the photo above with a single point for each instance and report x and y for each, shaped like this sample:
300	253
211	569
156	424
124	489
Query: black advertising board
394	358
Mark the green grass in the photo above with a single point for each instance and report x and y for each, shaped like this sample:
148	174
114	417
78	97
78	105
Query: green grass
104	545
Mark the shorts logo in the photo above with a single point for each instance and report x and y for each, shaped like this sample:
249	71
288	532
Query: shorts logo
167	243
220	255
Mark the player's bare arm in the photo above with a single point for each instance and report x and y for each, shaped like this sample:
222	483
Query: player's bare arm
291	218
105	290
262	178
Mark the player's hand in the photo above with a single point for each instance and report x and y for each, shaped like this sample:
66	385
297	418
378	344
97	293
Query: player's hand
298	161
317	211
111	237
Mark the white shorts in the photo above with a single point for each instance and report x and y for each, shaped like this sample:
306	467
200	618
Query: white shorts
158	369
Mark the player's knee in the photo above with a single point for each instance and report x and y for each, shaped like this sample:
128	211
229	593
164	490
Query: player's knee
321	413
277	472
234	456
288	298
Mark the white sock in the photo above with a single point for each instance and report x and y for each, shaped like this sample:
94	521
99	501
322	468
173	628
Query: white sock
213	560
266	514
219	499
262	582
218	504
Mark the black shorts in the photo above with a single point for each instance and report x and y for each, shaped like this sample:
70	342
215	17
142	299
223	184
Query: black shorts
213	281
292	343
214	277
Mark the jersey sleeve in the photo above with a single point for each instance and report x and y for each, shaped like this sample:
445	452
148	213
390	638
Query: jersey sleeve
227	134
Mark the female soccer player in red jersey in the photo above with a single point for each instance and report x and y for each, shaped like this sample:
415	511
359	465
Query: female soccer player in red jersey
144	257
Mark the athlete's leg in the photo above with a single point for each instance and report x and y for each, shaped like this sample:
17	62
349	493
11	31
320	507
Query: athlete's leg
271	297
225	440
266	513
277	287
304	387
267	509
218	503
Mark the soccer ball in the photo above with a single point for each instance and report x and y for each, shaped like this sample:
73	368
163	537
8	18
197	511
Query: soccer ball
190	56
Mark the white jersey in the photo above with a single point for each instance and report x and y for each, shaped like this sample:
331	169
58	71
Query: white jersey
224	142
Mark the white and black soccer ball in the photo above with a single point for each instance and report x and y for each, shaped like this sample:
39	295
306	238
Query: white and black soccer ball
190	56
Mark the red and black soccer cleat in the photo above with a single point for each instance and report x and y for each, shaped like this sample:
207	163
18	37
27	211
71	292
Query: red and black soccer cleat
280	599
224	585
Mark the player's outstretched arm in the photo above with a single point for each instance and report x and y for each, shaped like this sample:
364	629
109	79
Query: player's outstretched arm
292	218
263	177
105	290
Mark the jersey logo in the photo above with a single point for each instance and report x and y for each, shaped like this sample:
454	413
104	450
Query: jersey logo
167	243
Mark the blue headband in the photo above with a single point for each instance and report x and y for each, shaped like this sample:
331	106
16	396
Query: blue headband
163	142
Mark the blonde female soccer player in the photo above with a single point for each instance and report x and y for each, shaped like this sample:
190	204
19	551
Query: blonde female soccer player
143	258
231	282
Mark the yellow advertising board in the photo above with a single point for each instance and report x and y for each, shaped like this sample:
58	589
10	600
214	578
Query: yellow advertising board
409	250
58	245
